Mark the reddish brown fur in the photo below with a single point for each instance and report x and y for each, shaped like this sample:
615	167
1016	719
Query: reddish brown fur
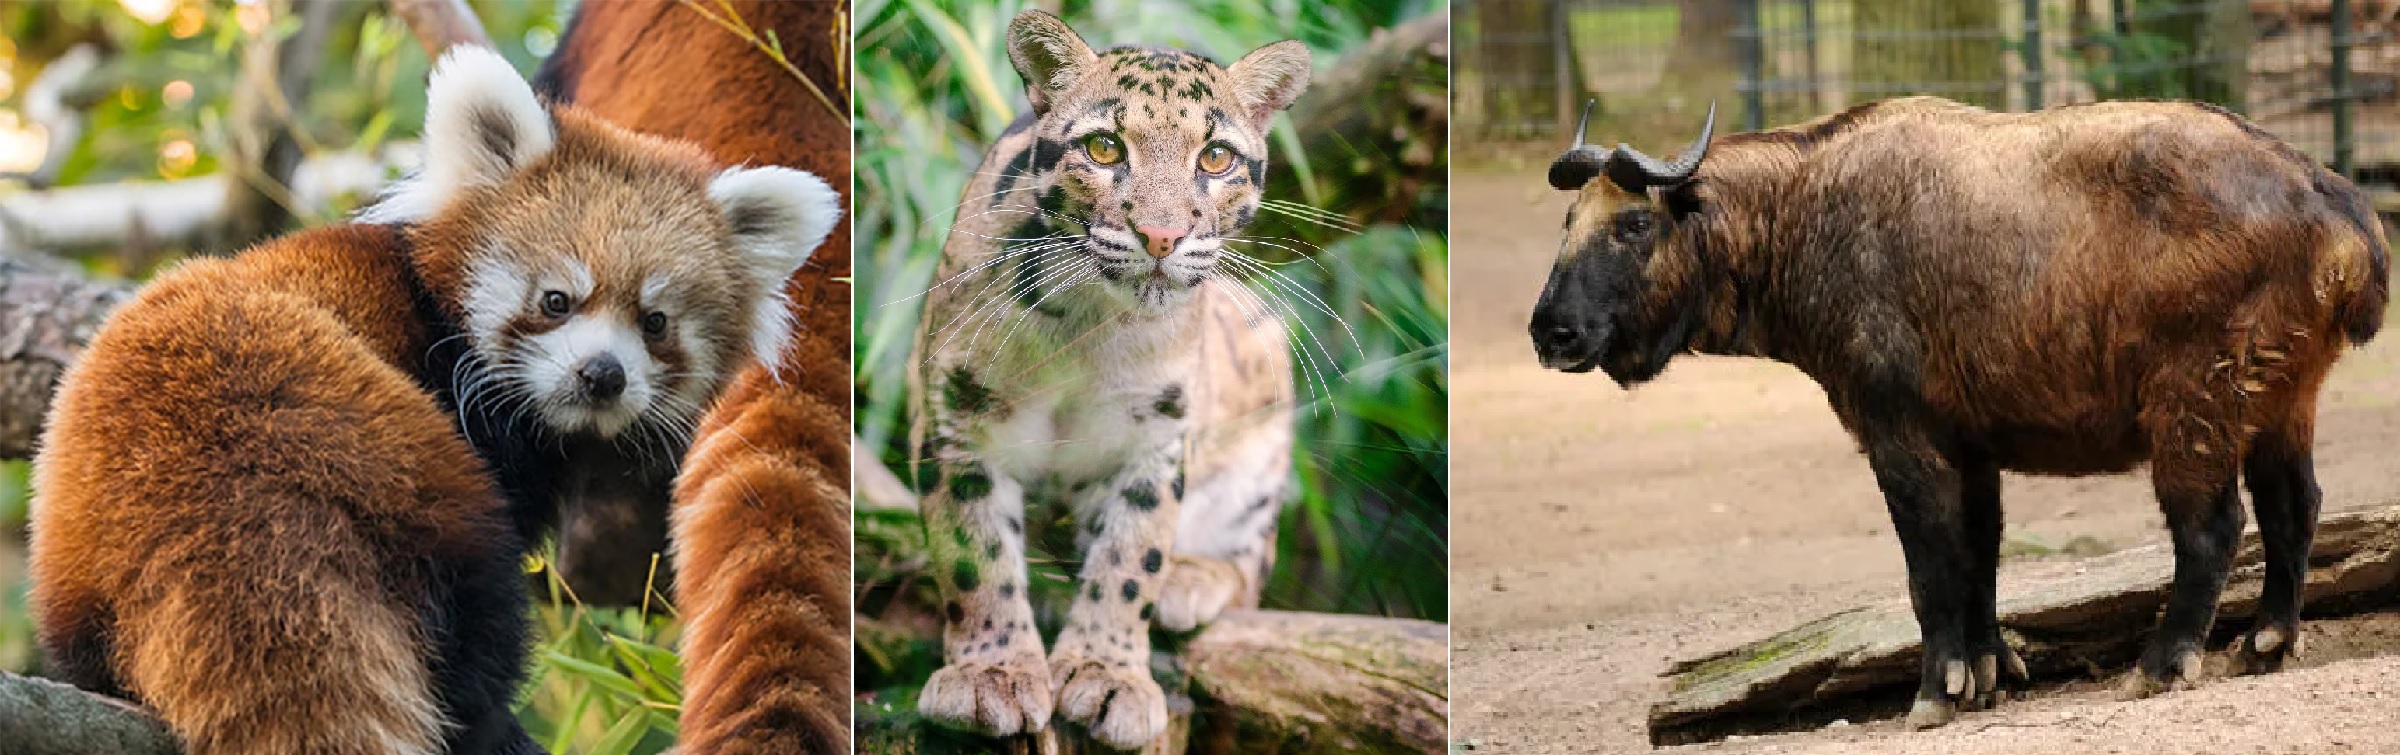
231	403
762	536
2074	291
1989	357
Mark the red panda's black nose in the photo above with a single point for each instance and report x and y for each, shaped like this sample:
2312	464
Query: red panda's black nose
603	378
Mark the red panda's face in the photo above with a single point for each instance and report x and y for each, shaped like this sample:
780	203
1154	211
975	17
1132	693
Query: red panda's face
606	281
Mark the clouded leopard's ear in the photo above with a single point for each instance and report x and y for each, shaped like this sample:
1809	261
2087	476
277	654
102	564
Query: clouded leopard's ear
779	216
1048	54
1269	79
482	123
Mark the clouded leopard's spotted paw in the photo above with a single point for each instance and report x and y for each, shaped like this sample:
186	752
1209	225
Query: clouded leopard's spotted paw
1118	703
1197	589
1000	700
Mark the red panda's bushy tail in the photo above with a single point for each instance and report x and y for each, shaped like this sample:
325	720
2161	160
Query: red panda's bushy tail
316	659
762	558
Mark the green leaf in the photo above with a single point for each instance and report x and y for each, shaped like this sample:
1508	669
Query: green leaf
627	732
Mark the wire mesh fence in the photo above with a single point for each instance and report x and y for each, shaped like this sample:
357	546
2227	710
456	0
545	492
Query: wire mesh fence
2319	73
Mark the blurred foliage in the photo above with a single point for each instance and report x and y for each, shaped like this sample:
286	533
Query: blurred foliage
602	681
157	108
1367	534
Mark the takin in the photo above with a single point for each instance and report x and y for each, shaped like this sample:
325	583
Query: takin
2069	292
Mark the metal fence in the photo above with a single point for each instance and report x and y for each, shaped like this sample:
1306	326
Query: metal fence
2319	73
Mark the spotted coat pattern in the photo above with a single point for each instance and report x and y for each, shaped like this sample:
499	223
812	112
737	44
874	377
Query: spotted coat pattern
1081	363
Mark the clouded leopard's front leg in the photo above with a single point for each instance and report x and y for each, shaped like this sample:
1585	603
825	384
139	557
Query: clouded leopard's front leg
993	679
1101	663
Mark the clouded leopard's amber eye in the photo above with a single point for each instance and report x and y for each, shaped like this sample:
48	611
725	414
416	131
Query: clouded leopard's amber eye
1104	149
1216	159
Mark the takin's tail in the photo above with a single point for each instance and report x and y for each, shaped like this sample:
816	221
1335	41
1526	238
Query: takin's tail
294	648
761	529
2360	313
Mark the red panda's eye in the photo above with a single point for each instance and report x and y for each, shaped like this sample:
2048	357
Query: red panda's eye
554	304
654	324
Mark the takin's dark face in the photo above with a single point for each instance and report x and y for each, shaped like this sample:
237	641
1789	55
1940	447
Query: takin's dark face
1617	298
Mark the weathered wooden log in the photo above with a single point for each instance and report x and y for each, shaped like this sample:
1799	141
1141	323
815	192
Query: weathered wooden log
2068	619
1254	682
43	717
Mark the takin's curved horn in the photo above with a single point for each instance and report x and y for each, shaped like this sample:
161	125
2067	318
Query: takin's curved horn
1579	163
1631	170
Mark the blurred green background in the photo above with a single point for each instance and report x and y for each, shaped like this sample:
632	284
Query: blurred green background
159	110
1368	534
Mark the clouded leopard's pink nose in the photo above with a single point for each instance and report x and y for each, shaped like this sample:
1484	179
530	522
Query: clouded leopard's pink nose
1160	240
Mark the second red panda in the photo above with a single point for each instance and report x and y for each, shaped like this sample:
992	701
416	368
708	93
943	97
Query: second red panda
283	497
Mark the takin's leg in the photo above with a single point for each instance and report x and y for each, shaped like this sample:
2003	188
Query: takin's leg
1101	664
1922	490
2193	474
994	679
1979	497
2283	490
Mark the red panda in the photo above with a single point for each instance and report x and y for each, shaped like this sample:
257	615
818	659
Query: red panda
282	498
761	509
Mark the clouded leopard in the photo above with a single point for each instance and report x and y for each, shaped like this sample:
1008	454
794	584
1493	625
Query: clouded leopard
1084	361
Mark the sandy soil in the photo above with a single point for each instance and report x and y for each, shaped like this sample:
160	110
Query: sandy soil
1598	533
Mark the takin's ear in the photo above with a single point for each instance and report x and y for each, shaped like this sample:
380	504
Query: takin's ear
1269	79
482	123
1049	55
779	216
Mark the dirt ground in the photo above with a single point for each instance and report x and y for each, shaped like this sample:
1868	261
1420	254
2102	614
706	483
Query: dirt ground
1598	534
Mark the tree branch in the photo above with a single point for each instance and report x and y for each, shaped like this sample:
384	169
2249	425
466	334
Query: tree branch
42	717
438	24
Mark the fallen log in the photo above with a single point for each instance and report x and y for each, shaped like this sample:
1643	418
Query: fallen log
43	717
1253	682
2078	619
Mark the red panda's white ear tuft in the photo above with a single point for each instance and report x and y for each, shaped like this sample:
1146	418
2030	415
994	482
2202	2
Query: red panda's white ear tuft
779	217
482	123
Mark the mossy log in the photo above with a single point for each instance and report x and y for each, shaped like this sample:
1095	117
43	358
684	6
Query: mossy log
43	717
2068	619
1253	682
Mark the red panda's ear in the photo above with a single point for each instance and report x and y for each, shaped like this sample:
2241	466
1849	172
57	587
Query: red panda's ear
482	124
778	217
1269	79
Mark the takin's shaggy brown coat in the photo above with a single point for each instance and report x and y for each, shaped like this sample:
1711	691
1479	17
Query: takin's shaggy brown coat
2068	292
761	518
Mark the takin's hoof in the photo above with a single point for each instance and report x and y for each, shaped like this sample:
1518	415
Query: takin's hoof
2266	650
1926	714
995	699
1196	591
2141	684
1121	706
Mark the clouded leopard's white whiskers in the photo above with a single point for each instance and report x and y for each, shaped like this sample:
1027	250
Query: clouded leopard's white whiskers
1298	255
985	306
982	301
1089	273
1311	374
1311	215
997	257
1292	285
1044	278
